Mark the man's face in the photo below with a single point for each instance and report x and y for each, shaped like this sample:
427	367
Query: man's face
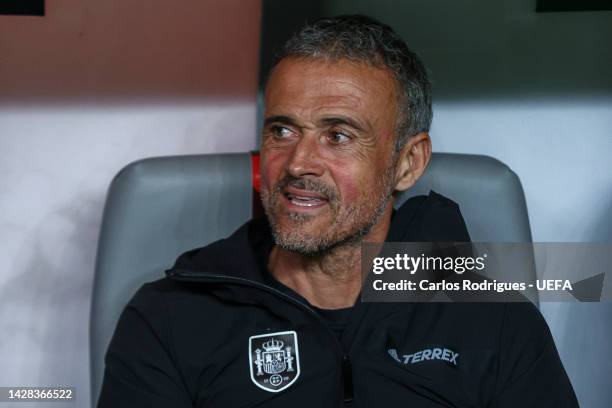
327	154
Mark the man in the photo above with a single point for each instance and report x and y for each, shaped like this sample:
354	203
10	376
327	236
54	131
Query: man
270	316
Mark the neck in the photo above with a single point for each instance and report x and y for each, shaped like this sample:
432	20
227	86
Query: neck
331	280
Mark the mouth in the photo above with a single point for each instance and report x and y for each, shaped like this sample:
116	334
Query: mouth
304	199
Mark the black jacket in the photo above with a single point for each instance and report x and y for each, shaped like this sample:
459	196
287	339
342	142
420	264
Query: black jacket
214	332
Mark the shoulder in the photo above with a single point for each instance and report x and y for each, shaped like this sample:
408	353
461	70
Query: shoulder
155	301
429	218
163	310
524	331
516	324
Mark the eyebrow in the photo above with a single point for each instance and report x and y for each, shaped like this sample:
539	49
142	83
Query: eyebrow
280	119
341	120
328	121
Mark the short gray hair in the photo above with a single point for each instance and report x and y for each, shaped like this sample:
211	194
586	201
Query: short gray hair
363	39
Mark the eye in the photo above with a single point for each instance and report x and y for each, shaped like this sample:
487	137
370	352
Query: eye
280	132
338	137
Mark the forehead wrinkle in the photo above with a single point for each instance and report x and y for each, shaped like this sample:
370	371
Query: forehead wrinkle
321	99
321	86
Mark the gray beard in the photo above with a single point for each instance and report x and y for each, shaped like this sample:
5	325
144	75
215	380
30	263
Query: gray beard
324	244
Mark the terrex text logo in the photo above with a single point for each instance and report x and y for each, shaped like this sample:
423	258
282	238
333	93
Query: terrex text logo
427	354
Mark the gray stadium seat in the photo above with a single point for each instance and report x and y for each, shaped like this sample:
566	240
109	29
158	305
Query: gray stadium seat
158	208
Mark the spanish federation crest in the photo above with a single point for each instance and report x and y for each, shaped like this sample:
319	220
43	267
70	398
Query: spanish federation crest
274	360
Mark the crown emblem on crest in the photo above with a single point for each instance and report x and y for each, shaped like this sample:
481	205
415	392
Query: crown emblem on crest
273	345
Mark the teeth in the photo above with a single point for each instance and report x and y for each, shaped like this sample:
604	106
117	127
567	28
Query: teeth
304	204
304	201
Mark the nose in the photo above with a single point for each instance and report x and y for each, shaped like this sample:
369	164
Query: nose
305	159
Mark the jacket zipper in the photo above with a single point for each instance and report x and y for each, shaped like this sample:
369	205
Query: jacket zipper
345	362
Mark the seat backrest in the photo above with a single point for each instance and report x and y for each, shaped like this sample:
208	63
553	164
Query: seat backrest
155	210
158	208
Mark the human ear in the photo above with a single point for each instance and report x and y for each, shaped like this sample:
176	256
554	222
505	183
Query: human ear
412	161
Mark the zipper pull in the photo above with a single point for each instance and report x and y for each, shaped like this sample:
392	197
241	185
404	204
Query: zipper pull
347	378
